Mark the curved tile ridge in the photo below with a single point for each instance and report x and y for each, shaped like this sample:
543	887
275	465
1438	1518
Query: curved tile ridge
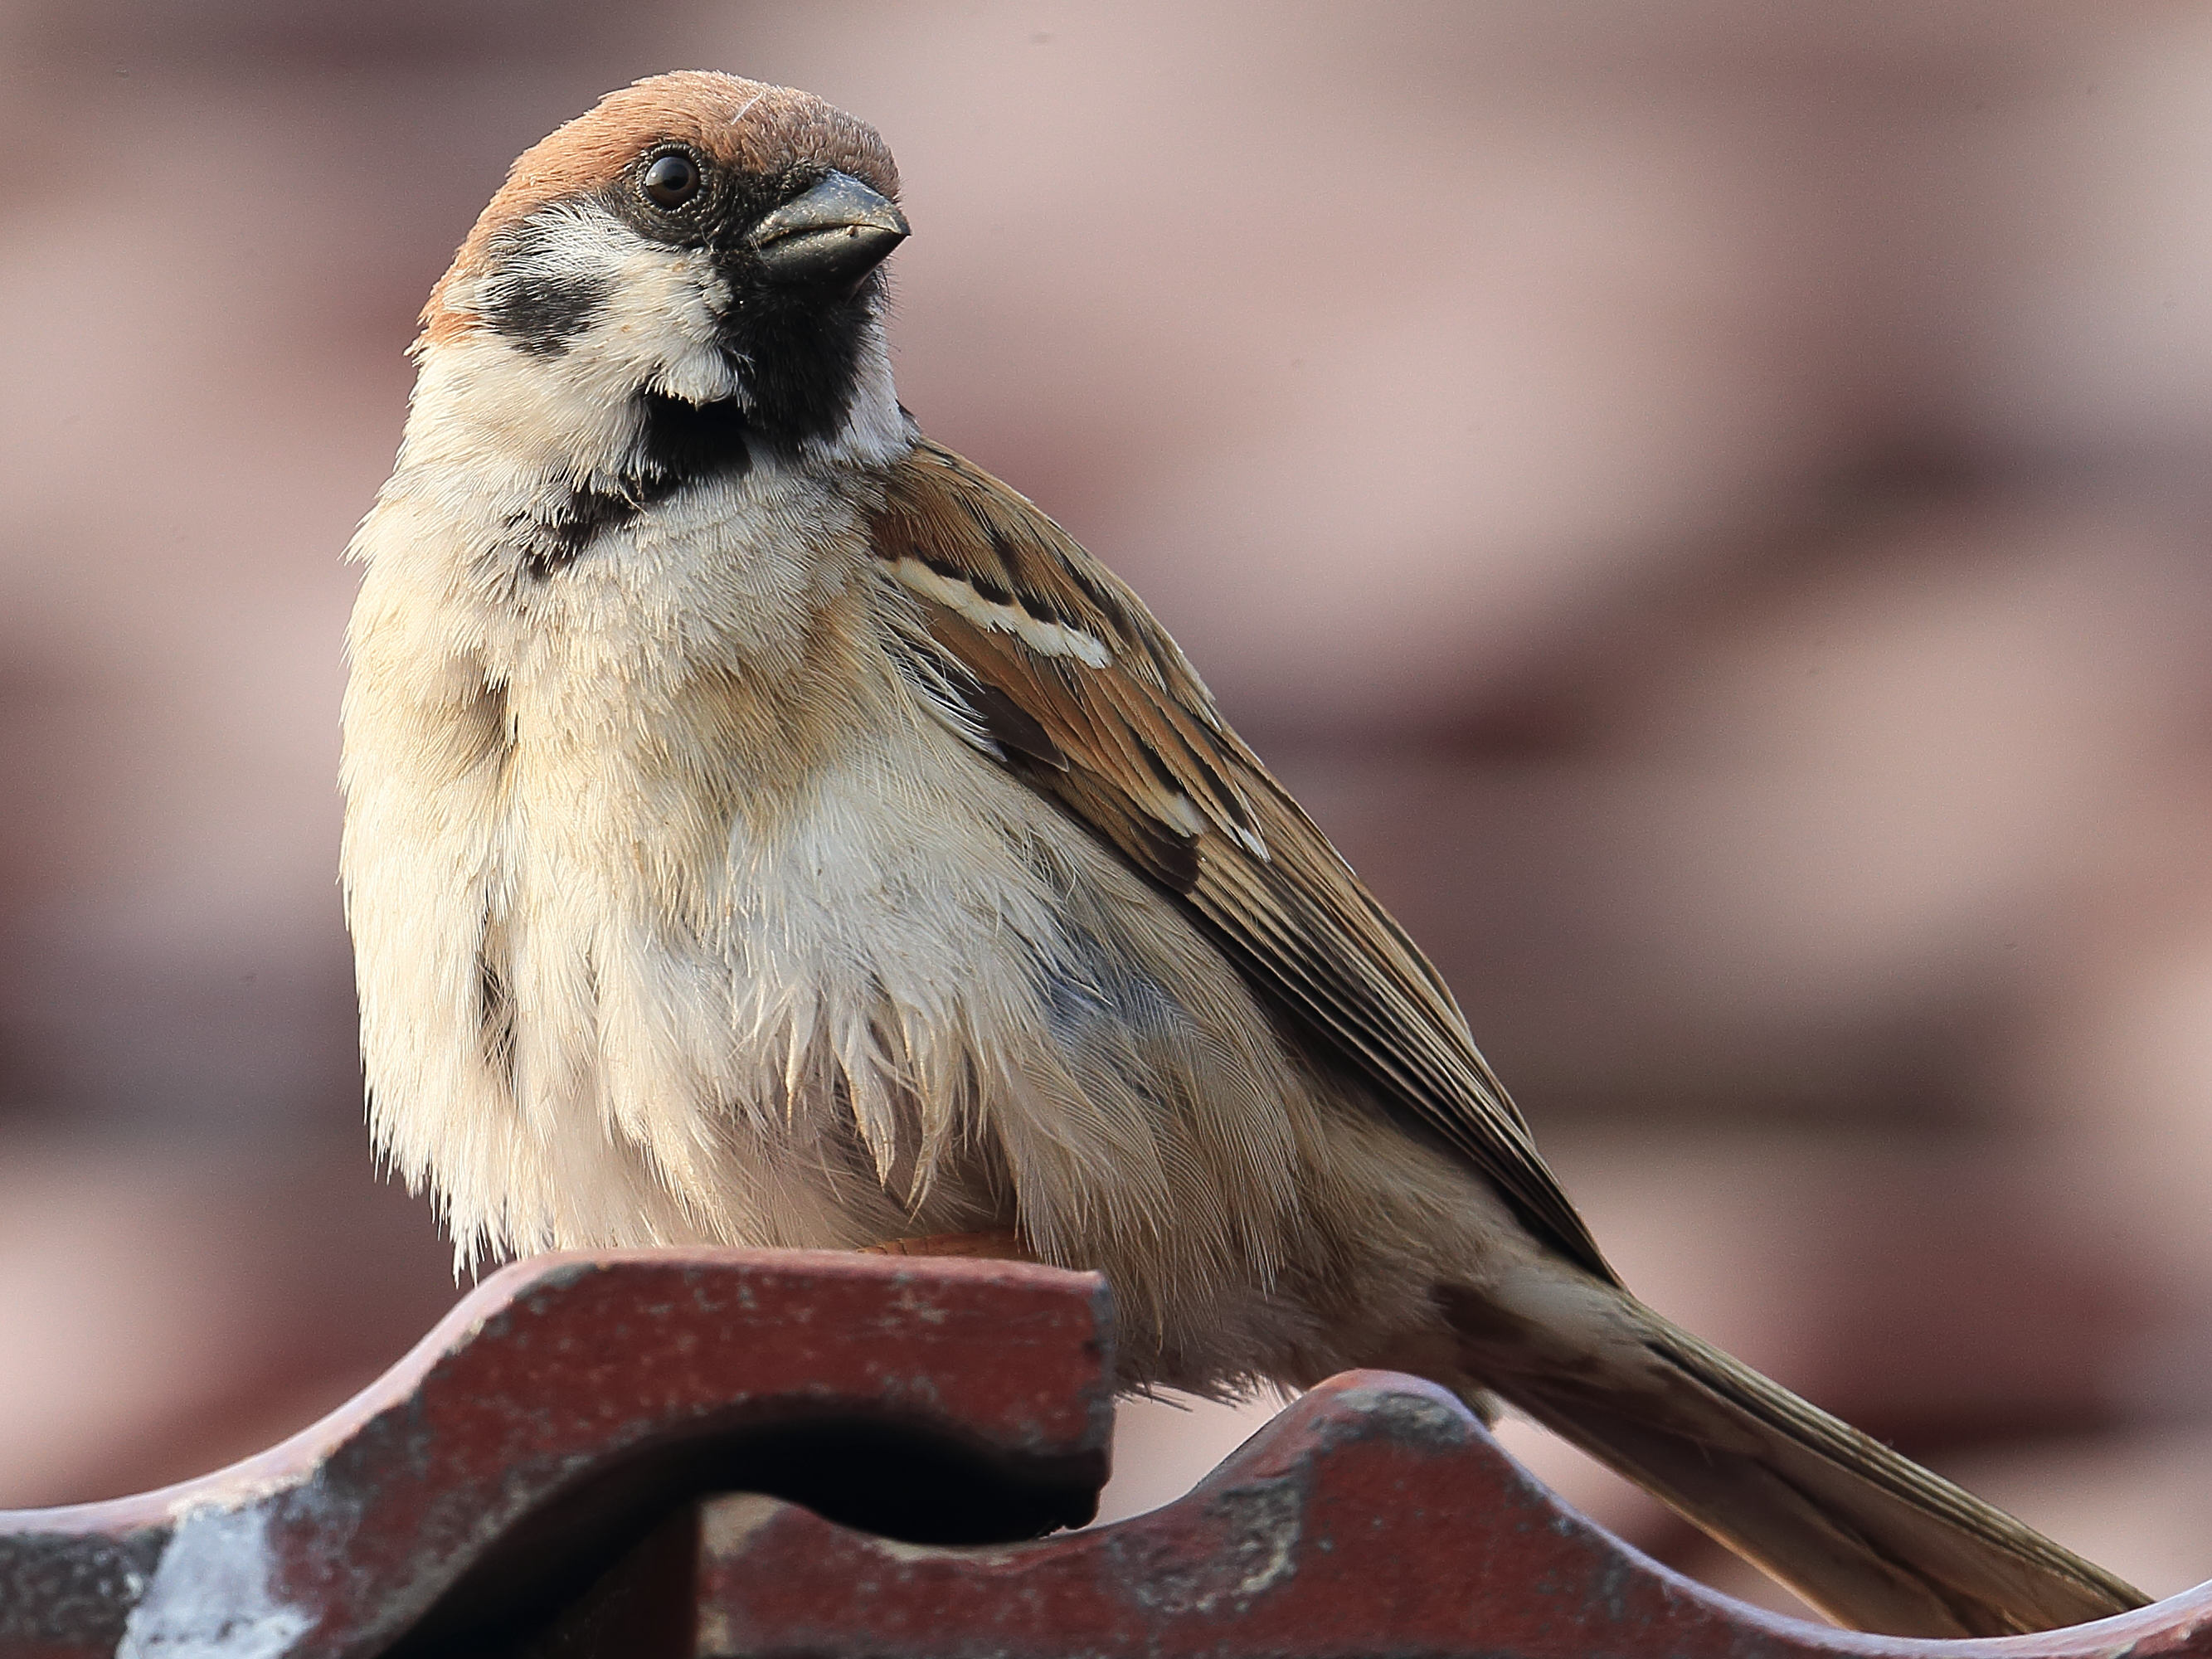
1374	1517
570	1396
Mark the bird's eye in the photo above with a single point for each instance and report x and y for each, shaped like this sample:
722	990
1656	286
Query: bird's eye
672	180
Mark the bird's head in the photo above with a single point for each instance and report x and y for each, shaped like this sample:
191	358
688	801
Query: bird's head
697	246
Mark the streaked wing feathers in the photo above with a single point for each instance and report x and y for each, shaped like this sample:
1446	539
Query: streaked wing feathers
1070	680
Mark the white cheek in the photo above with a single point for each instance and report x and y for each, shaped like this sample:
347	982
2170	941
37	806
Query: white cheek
659	327
654	326
654	329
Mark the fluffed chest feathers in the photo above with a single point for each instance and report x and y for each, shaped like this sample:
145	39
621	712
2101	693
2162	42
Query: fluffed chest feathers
618	911
711	950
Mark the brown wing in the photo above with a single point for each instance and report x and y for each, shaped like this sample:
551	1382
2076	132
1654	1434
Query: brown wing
1049	663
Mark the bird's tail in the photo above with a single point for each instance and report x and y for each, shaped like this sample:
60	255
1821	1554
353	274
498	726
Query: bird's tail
1869	1537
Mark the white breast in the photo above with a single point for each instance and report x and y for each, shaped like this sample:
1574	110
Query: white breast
642	956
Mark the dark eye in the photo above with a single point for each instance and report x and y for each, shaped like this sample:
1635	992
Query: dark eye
671	180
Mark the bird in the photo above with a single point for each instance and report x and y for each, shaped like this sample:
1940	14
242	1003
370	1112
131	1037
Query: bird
764	827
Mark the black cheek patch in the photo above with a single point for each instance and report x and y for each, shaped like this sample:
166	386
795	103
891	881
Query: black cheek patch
543	314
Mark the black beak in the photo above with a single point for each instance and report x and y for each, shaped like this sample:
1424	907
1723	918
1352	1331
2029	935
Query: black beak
836	233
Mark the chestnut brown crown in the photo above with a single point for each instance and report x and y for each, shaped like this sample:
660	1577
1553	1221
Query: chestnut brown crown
749	129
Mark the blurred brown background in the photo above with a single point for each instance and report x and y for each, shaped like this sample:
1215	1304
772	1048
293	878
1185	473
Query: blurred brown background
1707	503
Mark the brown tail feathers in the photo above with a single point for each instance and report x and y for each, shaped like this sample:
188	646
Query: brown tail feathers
1869	1537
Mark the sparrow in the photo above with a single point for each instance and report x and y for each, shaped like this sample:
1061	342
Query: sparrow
765	828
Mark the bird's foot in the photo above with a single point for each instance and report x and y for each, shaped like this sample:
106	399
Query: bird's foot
1003	1245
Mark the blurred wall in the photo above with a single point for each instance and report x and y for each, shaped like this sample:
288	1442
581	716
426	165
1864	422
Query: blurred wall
1707	504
